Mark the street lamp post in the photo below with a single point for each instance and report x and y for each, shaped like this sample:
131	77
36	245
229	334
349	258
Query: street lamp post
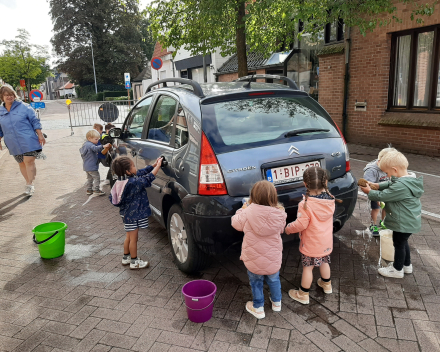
93	61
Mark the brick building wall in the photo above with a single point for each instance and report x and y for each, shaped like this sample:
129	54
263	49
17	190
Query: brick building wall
369	81
331	85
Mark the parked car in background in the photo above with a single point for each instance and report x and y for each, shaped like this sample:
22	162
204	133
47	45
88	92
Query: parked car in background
217	140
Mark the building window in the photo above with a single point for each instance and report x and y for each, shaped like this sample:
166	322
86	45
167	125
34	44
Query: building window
414	70
334	32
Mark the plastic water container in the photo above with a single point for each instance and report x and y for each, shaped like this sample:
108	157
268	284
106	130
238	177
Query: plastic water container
51	239
386	245
199	300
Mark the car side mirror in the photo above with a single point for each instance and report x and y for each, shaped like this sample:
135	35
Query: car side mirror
115	132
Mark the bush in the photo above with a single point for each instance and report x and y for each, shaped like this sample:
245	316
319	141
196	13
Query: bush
88	92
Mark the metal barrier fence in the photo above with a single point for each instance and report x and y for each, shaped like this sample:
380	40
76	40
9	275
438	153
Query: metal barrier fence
88	113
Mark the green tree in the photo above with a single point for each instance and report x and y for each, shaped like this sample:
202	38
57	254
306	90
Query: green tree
265	26
113	27
22	60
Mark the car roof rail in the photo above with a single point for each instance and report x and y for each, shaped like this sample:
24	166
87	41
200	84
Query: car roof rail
291	83
196	86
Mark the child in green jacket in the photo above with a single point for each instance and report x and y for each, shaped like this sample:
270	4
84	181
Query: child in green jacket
403	209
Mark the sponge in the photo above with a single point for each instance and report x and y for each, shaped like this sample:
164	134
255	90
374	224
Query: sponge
363	183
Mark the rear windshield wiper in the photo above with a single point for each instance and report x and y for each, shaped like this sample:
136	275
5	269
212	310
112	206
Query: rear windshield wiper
304	130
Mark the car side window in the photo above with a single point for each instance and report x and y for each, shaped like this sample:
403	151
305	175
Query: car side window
161	122
181	136
138	115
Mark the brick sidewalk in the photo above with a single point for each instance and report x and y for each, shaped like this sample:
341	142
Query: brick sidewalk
87	301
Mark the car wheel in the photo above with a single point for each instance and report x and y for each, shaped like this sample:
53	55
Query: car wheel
188	257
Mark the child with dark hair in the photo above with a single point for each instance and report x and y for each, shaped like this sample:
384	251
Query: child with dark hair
262	219
130	195
314	224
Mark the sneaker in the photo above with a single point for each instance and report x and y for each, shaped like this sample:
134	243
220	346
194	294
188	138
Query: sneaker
89	192
256	312
374	231
326	286
31	190
99	192
300	296
390	271
126	259
276	306
407	269
138	264
382	225
27	188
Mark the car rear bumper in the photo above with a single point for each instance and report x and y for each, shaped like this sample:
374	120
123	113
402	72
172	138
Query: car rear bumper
208	218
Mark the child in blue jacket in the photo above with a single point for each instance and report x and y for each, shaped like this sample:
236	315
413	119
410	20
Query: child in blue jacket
89	153
130	195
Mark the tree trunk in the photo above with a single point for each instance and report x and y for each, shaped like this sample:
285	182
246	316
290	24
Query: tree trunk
240	39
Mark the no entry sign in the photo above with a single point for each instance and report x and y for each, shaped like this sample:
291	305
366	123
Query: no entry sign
156	63
35	93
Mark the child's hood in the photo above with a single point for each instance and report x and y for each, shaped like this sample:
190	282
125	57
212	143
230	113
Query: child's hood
322	209
414	184
85	147
264	219
118	191
373	165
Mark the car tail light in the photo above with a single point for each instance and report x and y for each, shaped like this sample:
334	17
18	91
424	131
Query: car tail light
211	181
347	154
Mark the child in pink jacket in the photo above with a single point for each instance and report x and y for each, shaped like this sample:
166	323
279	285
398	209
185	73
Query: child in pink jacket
262	222
315	226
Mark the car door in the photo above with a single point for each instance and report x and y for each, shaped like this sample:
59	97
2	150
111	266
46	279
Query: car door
158	140
133	129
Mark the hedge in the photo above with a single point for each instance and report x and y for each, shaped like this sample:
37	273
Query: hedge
88	92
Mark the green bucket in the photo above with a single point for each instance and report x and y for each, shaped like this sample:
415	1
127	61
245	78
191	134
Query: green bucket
50	238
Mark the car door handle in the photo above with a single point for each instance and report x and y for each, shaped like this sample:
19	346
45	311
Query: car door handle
164	161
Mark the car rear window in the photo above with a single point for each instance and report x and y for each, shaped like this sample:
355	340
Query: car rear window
248	123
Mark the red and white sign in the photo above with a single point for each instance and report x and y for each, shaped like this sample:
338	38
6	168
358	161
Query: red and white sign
35	93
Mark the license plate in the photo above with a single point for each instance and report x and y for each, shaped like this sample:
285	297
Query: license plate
289	173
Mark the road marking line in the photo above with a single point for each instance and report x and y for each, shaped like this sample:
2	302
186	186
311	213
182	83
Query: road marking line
418	172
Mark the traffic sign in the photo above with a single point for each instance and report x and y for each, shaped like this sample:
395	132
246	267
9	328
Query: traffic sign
39	105
156	63
22	83
35	93
36	99
127	85
126	77
68	101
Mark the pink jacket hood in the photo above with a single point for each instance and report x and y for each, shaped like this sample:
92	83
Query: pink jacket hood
315	225
117	191
262	247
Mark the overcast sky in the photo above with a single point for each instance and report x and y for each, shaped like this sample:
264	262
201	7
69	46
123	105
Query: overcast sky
32	15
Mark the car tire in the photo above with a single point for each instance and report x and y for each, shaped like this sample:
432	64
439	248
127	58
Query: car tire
187	255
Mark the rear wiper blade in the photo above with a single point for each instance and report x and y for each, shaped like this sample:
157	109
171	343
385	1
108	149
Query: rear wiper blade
304	130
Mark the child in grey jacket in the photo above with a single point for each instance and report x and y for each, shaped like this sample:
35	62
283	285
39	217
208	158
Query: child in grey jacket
373	174
89	153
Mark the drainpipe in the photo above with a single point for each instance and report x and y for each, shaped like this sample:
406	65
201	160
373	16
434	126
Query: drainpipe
346	81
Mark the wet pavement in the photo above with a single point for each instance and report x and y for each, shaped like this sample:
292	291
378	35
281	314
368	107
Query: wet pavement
87	301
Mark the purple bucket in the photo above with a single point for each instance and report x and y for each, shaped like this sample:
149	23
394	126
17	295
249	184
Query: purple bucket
199	300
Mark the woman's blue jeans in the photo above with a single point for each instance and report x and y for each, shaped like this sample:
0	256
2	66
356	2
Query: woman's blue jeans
257	281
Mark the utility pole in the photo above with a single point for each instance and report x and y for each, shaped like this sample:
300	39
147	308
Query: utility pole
93	61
